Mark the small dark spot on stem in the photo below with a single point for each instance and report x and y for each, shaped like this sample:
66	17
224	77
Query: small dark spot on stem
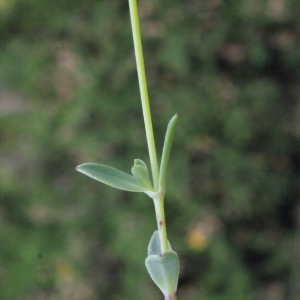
160	223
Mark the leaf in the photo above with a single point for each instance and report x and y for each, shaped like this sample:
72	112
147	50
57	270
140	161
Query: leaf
166	150
141	174
164	271
154	247
154	244
111	176
139	162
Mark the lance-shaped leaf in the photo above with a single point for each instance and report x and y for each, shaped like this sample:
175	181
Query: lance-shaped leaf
166	150
111	176
141	174
164	271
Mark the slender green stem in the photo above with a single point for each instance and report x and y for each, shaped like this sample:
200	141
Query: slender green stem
143	89
161	222
159	198
158	180
170	297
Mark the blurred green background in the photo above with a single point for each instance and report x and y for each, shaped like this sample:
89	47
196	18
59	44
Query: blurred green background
69	95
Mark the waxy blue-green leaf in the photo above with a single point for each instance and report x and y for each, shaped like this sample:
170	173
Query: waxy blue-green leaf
154	246
139	162
164	271
141	174
111	176
166	150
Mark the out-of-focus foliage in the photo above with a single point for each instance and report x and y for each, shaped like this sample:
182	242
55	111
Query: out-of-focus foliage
69	95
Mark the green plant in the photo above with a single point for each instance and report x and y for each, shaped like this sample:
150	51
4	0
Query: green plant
162	262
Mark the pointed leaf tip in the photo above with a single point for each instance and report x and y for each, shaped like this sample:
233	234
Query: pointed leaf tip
154	246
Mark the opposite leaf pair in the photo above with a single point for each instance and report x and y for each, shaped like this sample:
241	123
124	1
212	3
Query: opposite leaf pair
162	267
162	263
139	182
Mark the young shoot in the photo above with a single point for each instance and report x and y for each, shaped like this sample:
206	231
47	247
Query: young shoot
162	262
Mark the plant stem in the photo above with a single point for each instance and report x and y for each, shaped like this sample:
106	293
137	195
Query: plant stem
159	199
170	297
161	222
143	90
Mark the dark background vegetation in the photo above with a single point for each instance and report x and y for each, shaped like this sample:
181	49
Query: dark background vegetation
69	94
